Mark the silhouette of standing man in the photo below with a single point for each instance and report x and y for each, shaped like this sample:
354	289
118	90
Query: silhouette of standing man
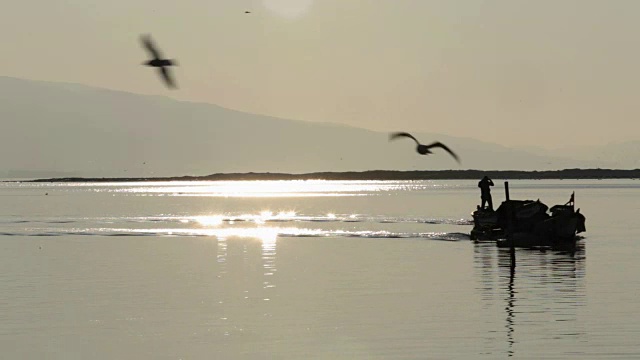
485	192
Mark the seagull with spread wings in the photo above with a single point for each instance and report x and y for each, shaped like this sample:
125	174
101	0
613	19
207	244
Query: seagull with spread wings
158	61
424	149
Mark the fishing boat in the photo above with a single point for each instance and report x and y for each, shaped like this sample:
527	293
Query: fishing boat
529	224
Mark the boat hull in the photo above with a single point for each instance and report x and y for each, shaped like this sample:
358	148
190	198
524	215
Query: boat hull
529	224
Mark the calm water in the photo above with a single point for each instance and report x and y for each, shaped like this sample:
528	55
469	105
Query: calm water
308	270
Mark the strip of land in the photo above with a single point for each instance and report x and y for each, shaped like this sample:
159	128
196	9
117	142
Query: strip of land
383	175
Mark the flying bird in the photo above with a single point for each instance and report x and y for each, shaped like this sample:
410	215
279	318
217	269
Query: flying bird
424	149
247	12
158	61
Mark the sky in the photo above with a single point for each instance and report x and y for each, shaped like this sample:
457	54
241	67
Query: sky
548	73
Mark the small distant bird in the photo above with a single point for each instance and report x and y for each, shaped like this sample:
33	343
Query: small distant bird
158	61
247	12
424	149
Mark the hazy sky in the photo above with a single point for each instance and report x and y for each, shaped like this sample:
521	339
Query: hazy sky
539	72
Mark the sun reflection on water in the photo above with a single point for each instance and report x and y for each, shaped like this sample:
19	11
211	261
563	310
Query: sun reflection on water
212	220
258	189
267	236
260	219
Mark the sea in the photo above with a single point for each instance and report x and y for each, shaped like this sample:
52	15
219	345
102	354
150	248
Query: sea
310	270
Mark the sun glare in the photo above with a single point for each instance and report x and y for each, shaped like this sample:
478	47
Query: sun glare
290	9
259	189
266	235
262	218
215	220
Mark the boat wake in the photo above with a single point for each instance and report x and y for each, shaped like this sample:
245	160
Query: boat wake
265	224
249	232
256	218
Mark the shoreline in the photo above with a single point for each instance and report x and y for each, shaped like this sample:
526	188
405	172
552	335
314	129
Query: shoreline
576	174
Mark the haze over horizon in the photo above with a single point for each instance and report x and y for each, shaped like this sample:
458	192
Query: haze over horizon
60	130
516	73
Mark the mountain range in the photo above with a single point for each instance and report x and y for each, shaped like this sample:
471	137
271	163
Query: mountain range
60	129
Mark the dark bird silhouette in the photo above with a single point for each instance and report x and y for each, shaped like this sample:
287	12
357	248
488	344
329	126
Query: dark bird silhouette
247	12
158	61
424	149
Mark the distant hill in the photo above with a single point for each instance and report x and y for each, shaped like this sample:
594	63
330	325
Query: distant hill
58	128
386	175
619	155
